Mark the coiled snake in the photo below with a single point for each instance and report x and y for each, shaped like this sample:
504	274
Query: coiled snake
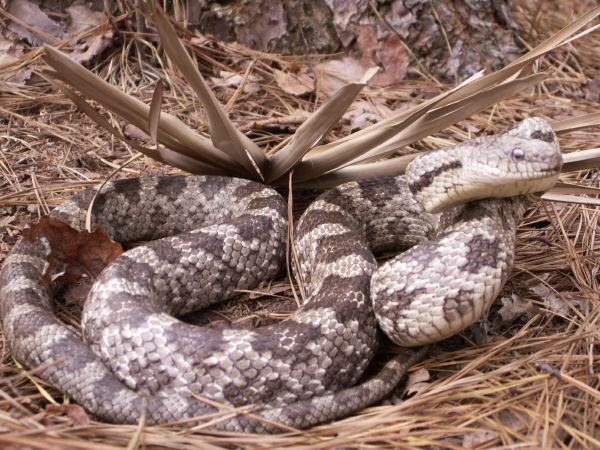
136	358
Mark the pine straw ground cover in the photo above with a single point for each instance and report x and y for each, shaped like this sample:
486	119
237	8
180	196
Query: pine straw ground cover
526	376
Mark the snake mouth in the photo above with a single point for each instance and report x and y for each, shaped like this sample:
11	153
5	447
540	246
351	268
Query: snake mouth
552	171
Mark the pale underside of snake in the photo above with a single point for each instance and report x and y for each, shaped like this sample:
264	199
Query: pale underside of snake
136	358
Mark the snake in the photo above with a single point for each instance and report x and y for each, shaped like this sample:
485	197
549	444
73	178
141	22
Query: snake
453	215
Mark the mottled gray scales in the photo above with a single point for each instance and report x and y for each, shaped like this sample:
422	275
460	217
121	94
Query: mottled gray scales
214	236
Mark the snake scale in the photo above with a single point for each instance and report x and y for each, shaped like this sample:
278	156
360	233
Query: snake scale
213	236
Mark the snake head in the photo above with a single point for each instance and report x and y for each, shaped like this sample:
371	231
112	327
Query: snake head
524	159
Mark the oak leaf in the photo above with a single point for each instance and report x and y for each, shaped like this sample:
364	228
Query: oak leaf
80	253
75	412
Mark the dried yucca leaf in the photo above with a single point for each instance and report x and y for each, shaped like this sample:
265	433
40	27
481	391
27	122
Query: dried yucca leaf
388	167
576	123
100	120
155	110
566	189
582	160
561	198
315	128
172	132
422	124
192	165
444	116
473	95
356	156
223	133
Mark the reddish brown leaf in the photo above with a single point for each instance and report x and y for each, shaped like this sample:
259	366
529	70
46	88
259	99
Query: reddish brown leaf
418	381
299	84
75	412
388	53
82	253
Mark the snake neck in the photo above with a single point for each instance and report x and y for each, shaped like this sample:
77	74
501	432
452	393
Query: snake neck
506	211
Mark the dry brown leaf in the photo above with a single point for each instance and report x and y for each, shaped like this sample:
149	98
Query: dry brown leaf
75	412
388	53
91	48
476	439
234	80
10	52
83	253
294	84
417	382
5	221
556	303
82	18
513	308
33	25
363	114
334	74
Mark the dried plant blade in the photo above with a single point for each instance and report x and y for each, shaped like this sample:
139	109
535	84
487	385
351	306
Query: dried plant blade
474	84
570	199
155	106
573	189
397	166
576	123
388	167
332	156
443	117
318	125
414	112
585	159
172	132
426	123
188	164
371	135
582	160
91	112
223	133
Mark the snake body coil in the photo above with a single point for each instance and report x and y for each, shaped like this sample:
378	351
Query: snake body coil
230	235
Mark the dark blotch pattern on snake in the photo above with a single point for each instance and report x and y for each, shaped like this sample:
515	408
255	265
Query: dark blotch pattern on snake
229	234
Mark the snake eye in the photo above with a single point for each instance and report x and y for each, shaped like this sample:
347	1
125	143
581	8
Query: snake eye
518	154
